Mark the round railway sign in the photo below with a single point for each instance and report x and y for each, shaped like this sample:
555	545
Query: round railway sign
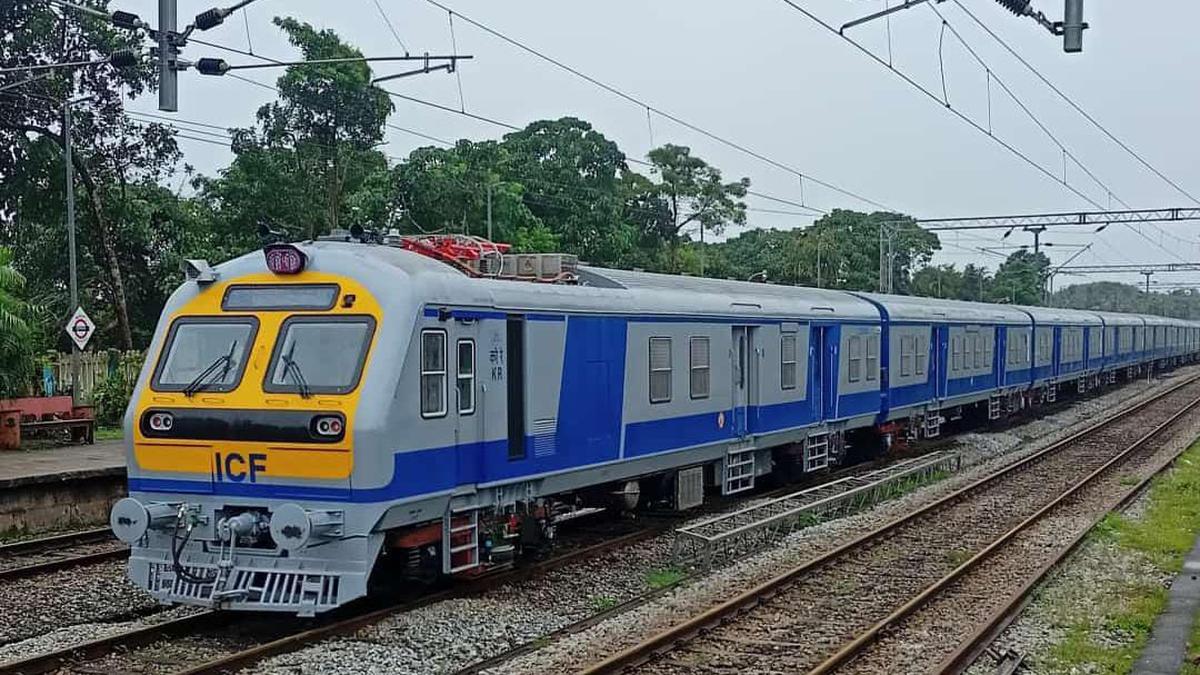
80	328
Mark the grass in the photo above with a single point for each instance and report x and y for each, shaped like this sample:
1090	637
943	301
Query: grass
1110	639
957	557
1191	665
603	603
110	433
663	578
901	489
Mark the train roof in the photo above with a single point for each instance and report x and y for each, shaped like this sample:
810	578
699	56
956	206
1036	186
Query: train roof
676	292
912	308
1119	319
1061	316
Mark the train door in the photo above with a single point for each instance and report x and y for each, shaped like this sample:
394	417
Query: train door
745	379
464	383
822	371
940	359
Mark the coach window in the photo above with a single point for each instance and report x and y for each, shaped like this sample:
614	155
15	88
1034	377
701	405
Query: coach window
660	369
906	356
855	361
872	357
698	349
465	377
433	373
977	348
957	358
787	362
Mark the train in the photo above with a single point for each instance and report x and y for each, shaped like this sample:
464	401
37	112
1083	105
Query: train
314	415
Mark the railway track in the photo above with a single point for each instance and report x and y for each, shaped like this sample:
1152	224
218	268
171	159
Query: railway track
893	599
218	642
49	554
222	643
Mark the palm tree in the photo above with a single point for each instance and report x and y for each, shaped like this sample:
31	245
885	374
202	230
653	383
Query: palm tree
16	333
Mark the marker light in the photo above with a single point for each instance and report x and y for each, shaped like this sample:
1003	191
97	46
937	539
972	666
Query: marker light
328	426
284	259
161	421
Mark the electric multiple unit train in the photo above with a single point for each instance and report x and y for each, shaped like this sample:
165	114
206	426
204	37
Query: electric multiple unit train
310	408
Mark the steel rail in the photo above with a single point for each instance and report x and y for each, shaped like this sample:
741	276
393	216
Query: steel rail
49	544
667	640
864	639
249	657
998	622
96	649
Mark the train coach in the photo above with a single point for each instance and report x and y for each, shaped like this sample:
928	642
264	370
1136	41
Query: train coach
315	413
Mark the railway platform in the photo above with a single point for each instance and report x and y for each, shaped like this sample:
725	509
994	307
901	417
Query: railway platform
58	488
1167	649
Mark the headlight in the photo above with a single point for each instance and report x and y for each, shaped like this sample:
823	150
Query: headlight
161	422
328	426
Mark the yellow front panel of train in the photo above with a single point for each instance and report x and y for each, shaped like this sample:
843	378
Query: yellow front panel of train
268	387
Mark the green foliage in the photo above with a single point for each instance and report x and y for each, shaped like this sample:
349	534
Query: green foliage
111	395
17	363
665	577
311	165
1020	279
603	603
1162	536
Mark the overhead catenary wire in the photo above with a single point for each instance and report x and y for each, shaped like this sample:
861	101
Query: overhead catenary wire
956	112
1066	153
467	114
387	21
1086	115
644	104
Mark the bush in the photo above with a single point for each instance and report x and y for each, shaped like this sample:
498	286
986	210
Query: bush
111	396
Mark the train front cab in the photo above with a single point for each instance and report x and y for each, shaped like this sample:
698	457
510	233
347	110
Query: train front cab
242	438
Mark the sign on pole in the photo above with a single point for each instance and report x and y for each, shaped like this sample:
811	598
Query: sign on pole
80	328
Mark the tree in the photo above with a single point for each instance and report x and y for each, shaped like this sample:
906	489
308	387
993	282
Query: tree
1020	278
311	161
16	331
572	178
111	152
695	193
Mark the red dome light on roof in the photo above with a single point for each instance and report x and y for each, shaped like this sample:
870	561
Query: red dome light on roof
284	259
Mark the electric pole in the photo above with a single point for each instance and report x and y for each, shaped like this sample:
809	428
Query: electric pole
1147	274
1037	236
489	211
168	56
70	169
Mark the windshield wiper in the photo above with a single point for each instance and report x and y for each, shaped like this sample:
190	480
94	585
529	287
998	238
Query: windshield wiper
222	364
290	367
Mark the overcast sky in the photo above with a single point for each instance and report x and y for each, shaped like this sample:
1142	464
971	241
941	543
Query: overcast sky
761	74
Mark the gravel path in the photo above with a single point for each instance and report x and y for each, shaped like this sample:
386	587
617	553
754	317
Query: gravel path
446	636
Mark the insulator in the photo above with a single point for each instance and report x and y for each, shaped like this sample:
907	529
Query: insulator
1018	7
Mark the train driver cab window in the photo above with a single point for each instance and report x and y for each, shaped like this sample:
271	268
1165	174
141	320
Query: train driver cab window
854	360
319	355
698	378
433	373
787	360
205	354
660	369
465	377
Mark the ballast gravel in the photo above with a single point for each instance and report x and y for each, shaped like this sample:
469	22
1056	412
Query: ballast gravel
450	635
98	593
